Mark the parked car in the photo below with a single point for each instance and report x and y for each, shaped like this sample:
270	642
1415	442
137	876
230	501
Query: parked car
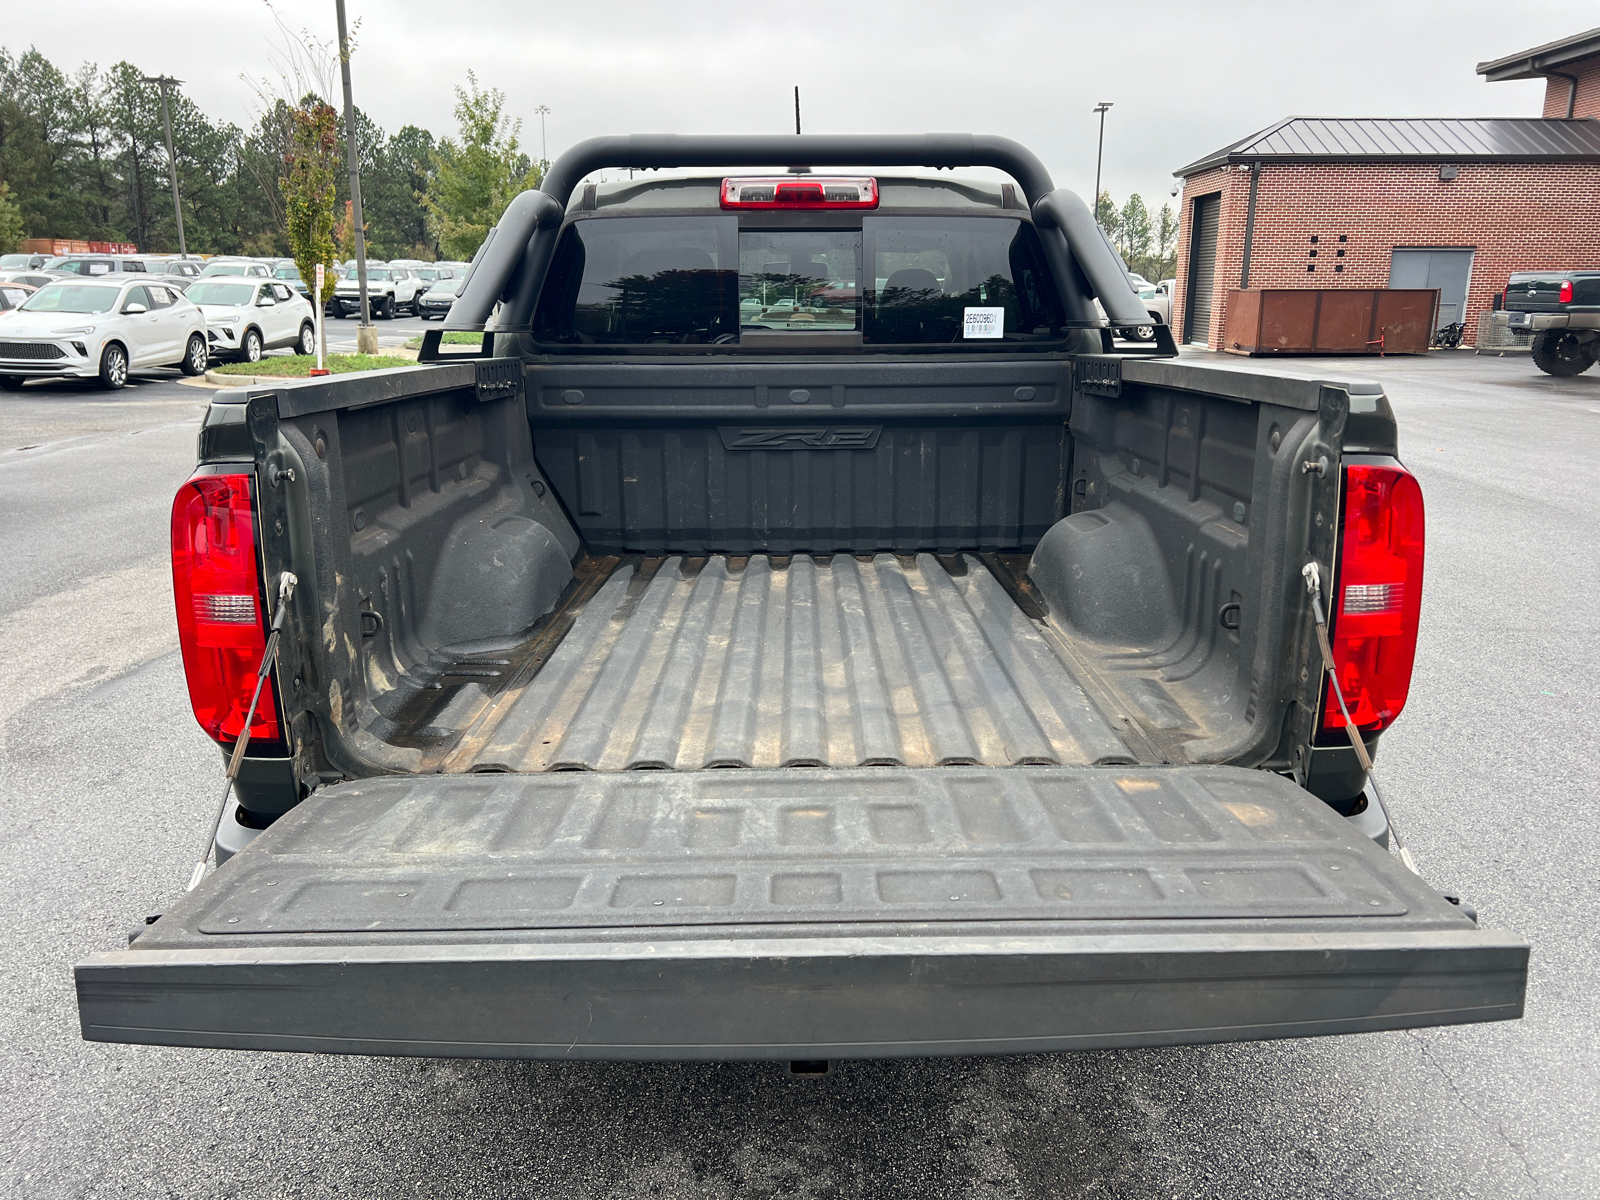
186	268
13	295
1158	304
98	264
1562	311
389	289
628	704
290	274
22	262
1131	333
436	301
250	267
246	317
88	329
33	278
432	273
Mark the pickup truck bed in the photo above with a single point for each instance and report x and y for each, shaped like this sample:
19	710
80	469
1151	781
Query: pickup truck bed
886	660
681	679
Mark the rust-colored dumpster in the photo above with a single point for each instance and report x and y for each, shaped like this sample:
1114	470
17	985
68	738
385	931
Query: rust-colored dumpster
1329	320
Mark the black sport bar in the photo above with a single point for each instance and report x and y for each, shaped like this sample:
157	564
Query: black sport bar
510	264
648	150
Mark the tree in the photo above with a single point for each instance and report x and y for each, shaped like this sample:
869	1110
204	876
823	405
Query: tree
1166	243
308	188
475	177
265	155
291	152
40	148
10	220
1105	212
391	195
1134	233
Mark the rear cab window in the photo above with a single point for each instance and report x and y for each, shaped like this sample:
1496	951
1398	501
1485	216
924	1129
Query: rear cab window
964	280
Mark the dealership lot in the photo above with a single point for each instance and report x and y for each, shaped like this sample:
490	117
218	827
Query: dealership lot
107	785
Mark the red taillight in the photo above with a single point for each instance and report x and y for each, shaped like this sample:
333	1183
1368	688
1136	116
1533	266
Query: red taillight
217	585
800	191
1379	595
1565	294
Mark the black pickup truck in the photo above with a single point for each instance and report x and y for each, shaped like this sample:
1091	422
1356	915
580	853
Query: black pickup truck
1562	311
798	635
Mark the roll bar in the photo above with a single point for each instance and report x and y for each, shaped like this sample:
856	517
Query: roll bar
1064	210
649	150
514	253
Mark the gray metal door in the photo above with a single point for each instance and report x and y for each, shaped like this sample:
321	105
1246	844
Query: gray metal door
1447	270
1202	268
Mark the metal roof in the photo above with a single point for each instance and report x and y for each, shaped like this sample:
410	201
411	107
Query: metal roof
1417	139
1539	61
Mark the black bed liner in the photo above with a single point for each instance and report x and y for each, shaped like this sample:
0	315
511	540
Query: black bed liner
801	914
829	661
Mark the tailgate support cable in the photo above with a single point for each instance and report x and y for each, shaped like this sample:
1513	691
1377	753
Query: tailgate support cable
286	584
1313	577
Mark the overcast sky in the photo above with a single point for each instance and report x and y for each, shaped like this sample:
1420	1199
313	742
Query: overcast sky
1186	78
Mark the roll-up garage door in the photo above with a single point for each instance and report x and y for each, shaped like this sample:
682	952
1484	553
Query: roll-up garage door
1202	269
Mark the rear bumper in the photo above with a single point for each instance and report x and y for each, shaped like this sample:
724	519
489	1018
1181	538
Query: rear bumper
1531	322
986	992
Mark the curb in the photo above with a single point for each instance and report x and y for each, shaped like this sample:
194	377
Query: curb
410	357
232	380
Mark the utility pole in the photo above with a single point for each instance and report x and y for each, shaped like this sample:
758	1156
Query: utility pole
797	109
1102	108
366	334
172	161
544	146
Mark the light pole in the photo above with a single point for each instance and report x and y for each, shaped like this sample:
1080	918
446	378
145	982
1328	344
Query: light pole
172	162
1102	108
366	335
544	146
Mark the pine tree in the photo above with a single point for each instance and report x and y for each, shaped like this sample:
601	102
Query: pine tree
1166	243
1105	211
10	220
1135	233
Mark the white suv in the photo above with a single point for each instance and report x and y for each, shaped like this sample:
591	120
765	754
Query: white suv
245	316
388	290
101	329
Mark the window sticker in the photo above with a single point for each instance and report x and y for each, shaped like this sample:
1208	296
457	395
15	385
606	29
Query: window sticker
983	323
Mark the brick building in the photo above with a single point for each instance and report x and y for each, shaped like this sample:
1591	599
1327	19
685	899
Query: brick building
1452	203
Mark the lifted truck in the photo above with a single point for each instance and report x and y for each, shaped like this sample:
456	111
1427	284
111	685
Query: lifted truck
1562	311
917	678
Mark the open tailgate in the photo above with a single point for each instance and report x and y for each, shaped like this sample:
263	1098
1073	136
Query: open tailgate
801	914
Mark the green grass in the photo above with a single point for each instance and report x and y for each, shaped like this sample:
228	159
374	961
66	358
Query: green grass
454	338
298	366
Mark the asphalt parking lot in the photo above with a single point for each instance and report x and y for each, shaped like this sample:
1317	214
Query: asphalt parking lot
107	785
